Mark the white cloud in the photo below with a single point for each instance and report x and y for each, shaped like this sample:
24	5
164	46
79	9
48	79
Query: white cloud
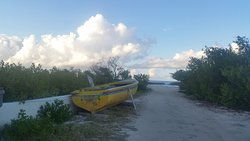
126	49
179	61
133	72
235	47
94	40
154	73
9	46
151	72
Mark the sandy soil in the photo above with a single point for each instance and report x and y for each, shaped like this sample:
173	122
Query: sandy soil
166	115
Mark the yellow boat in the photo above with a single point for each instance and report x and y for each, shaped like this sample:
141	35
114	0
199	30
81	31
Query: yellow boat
97	98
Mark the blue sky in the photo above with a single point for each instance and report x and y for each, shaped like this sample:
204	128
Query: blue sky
175	25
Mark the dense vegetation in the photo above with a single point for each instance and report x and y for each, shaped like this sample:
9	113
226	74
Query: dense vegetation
222	76
27	128
23	83
143	80
57	112
41	127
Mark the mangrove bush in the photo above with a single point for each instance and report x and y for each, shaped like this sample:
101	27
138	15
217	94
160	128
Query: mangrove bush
23	83
221	76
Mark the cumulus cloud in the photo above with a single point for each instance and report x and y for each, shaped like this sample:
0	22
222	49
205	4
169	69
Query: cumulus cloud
235	47
179	61
9	46
96	39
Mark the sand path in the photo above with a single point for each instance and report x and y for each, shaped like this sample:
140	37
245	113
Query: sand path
166	115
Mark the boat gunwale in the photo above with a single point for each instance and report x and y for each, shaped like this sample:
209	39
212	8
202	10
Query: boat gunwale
109	90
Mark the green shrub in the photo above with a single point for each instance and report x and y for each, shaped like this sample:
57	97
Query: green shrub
23	83
57	112
236	90
222	76
143	81
26	128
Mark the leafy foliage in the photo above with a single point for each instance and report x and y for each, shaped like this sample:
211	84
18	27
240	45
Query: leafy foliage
23	83
40	128
243	44
27	128
110	71
222	76
57	112
143	81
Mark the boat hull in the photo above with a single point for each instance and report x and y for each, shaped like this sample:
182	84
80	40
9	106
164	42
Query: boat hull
96	99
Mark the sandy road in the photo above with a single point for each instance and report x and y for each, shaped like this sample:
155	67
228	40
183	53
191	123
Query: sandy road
165	115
